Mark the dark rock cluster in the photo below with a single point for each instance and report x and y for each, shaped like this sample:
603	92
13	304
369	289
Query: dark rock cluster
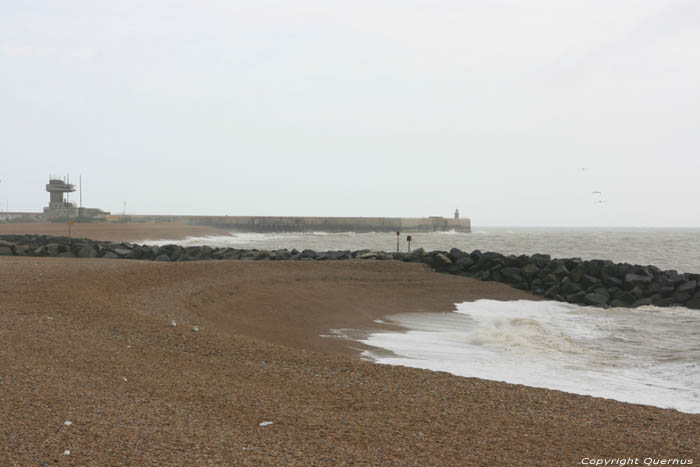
599	283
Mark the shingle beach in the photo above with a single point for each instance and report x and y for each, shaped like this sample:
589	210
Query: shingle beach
223	363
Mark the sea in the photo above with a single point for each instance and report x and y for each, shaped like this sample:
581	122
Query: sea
647	355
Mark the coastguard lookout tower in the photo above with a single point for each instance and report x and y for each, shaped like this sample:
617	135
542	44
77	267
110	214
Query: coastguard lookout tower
58	206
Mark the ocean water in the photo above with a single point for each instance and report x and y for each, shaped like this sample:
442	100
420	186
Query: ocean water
666	248
646	356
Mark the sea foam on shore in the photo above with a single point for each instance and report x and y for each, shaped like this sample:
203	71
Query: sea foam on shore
648	355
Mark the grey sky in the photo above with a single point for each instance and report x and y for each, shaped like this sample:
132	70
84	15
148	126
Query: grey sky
393	108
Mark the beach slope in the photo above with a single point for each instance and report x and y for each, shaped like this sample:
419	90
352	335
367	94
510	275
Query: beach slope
90	342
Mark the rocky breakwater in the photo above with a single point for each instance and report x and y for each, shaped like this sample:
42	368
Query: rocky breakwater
599	283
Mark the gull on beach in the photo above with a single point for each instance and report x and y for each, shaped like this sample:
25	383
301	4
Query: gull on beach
265	423
68	423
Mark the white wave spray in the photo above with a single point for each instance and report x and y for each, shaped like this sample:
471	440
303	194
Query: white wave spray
647	356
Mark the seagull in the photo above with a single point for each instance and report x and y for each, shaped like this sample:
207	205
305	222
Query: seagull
597	193
598	202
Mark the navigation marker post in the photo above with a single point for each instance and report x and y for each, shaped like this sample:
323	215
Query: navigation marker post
408	238
70	222
397	241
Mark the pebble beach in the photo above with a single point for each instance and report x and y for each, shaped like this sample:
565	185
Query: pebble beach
107	362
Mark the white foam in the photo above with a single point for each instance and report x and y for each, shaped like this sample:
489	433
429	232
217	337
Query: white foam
222	241
648	356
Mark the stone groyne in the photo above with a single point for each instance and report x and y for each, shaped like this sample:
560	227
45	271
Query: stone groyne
311	224
599	283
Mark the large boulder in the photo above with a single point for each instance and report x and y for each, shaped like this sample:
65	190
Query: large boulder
596	299
612	281
578	273
637	292
687	287
636	280
87	251
625	297
512	275
529	271
681	298
568	287
6	251
578	297
123	252
55	249
440	260
236	254
559	270
552	292
590	281
458	254
415	255
541	261
262	255
465	262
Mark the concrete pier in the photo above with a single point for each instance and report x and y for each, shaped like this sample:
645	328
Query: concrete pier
312	224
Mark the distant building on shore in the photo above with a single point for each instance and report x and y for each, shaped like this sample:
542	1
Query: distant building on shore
60	208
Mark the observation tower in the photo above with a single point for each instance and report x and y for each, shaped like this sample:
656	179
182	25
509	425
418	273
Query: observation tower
58	205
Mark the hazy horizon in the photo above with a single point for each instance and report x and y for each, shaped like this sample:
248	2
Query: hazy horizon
517	114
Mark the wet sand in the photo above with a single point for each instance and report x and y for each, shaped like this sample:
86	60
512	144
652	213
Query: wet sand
89	341
134	232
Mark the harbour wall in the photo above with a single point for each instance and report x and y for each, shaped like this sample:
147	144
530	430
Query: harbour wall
310	224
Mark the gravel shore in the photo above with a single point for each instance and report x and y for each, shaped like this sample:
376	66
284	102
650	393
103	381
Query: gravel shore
91	342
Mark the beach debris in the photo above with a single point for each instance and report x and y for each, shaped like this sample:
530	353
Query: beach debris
49	318
68	423
128	346
173	323
265	423
195	328
66	452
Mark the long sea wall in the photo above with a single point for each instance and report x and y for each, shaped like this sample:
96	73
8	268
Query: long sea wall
599	283
311	224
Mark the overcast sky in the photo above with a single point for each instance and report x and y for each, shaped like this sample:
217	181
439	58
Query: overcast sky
362	108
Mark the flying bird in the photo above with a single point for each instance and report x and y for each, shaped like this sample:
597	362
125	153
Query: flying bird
597	193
